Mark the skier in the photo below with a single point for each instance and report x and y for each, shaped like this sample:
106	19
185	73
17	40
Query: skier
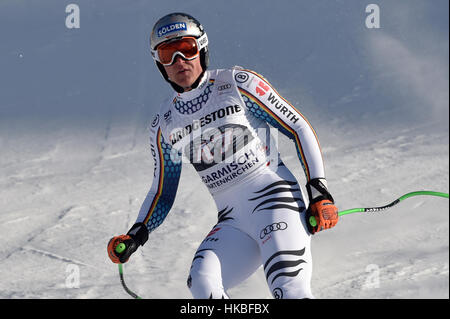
219	121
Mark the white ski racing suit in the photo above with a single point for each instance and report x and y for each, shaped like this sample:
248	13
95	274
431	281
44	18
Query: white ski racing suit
223	127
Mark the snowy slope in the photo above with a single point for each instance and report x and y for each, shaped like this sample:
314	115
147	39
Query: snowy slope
75	163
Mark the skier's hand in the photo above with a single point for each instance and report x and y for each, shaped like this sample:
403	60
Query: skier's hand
136	236
321	206
325	214
122	256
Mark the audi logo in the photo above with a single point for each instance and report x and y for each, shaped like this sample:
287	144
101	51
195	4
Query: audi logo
270	228
224	87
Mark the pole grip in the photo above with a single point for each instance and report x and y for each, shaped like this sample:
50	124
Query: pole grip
121	248
312	221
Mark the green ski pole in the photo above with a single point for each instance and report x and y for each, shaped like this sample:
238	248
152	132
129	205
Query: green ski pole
313	222
119	249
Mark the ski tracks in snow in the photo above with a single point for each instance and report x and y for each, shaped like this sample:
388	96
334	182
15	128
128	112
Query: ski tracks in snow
395	278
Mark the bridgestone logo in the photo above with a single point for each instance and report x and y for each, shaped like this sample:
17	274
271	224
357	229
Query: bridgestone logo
211	117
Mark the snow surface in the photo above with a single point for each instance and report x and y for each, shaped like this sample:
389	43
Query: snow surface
75	163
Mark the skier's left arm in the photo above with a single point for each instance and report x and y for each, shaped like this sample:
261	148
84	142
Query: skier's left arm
159	199
265	103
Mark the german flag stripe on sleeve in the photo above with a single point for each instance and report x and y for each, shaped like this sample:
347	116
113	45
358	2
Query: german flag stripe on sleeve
161	178
293	107
283	124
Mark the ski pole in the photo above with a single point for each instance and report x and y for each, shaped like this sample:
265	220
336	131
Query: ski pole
313	222
119	249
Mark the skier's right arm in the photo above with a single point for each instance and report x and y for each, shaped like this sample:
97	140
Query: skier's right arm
159	200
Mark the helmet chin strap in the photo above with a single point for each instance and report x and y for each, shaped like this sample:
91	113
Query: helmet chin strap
196	82
180	89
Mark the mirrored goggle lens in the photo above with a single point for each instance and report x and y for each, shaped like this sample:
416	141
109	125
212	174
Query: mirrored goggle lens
186	46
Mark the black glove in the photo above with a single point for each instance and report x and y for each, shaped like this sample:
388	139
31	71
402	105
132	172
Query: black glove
321	206
136	236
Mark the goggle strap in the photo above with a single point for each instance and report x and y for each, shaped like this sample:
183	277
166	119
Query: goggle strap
202	42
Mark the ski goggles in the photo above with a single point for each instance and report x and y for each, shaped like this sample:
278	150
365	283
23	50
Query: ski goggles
188	47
